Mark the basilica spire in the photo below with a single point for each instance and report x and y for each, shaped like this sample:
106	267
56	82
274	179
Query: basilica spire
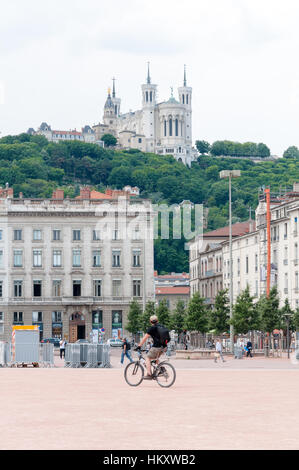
185	80
148	74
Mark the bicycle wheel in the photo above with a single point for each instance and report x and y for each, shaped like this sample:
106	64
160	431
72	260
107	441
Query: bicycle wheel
134	373
165	374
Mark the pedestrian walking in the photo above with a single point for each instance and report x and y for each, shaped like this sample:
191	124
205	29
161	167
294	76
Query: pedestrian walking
62	344
125	351
249	348
218	353
185	339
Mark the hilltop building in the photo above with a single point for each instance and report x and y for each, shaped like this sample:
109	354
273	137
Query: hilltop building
86	135
164	128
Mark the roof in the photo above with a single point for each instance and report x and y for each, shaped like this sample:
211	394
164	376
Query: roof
172	276
173	290
241	228
97	195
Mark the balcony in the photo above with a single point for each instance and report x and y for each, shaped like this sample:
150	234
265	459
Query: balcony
210	273
80	300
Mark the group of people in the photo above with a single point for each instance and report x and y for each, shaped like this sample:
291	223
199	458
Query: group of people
219	349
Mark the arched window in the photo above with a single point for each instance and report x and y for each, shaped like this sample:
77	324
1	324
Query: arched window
115	109
151	96
176	127
183	96
165	128
170	126
187	99
146	96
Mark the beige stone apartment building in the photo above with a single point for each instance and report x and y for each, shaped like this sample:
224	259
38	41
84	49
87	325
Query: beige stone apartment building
72	266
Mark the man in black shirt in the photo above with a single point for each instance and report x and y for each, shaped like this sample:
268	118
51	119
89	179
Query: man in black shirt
157	348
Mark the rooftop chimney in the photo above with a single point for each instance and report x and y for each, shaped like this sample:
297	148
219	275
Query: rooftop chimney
58	194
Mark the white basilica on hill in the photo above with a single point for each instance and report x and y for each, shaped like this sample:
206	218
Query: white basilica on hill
164	128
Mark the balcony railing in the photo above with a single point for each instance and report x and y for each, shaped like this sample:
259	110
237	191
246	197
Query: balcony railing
76	300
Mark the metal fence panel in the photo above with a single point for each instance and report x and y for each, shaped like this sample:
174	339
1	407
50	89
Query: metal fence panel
87	355
47	354
238	352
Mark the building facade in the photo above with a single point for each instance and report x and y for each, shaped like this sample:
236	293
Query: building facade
164	128
250	254
206	260
74	266
87	134
172	287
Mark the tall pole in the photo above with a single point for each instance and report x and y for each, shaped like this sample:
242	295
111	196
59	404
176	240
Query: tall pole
267	192
231	267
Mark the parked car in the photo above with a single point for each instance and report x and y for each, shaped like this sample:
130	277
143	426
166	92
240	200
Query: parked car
114	342
54	341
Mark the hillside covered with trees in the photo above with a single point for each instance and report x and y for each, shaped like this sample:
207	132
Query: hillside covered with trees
35	167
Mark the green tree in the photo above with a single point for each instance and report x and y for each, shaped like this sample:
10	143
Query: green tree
245	314
134	318
296	319
291	152
202	146
163	313
270	315
178	317
287	315
109	140
263	151
197	315
147	313
219	316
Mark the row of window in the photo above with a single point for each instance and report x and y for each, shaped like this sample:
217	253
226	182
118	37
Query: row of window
173	127
38	318
37	257
18	288
37	234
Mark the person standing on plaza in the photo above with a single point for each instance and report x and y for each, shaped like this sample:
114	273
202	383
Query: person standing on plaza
125	351
185	339
249	348
62	343
219	350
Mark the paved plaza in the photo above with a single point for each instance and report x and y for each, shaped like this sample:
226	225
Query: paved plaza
241	404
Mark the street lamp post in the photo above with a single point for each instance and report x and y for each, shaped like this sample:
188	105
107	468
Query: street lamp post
230	174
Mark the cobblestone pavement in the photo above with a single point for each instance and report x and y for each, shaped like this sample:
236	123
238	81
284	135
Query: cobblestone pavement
241	404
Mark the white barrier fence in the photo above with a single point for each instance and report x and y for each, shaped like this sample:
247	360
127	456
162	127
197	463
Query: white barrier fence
87	355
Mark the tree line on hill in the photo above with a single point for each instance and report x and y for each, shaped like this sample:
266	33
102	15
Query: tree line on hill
237	149
35	167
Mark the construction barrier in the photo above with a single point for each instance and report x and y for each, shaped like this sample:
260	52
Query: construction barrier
87	355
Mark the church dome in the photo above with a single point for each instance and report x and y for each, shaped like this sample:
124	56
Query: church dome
172	100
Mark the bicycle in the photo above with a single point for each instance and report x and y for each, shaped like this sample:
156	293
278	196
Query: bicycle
164	373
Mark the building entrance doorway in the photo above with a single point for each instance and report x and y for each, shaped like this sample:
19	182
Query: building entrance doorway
76	327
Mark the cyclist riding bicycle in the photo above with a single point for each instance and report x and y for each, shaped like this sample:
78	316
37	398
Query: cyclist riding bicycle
157	349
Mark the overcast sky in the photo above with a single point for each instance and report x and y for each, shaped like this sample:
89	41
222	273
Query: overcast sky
57	59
